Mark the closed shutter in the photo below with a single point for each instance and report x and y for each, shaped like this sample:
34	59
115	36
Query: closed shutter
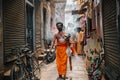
111	44
14	26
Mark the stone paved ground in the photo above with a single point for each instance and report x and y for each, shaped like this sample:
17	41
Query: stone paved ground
49	71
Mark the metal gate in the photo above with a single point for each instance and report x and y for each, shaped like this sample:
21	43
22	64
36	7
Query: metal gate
14	26
111	39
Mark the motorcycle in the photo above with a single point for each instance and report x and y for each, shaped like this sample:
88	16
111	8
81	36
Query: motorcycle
50	55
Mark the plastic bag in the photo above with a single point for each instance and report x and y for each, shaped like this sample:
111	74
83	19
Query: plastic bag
69	51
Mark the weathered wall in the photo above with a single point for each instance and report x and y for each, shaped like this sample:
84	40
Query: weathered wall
45	25
38	24
41	23
94	45
48	19
52	21
14	26
57	15
54	13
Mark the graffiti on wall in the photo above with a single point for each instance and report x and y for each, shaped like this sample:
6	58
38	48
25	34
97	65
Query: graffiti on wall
94	56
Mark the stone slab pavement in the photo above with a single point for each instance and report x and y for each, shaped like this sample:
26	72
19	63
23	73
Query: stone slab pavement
49	71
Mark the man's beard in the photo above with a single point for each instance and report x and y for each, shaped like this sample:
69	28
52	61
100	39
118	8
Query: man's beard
60	29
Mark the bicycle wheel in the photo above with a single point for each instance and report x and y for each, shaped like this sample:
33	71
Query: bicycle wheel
36	67
18	72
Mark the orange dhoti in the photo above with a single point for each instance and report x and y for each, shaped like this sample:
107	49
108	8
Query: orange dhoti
61	59
72	46
73	50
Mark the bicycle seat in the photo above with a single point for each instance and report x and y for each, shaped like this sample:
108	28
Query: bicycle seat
26	50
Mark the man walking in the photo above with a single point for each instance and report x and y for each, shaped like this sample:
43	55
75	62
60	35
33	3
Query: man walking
61	56
80	37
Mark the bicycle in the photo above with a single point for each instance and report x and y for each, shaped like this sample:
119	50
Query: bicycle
18	70
26	68
32	63
50	55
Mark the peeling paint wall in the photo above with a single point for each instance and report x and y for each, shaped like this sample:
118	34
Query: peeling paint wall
47	26
38	25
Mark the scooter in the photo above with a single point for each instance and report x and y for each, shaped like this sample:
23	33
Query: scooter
50	55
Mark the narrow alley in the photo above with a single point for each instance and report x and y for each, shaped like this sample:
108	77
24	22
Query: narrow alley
49	72
50	31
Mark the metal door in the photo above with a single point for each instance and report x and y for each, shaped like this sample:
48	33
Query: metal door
13	26
44	27
111	39
29	32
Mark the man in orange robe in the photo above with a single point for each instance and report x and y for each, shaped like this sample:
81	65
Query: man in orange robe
61	56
